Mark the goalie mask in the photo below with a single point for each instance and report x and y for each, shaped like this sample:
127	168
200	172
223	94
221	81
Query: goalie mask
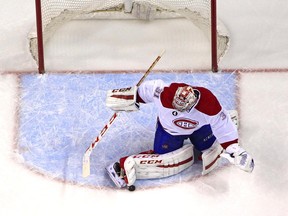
184	98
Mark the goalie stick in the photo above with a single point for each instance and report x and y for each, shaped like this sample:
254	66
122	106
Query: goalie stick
86	157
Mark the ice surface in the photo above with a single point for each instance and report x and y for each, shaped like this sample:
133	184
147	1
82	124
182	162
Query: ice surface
60	116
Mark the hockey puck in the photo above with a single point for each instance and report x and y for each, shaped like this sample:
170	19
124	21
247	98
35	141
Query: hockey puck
131	188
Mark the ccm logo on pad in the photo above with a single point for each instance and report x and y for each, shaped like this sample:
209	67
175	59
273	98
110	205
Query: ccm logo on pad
186	123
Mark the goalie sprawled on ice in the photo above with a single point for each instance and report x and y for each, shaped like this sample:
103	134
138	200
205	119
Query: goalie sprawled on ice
184	112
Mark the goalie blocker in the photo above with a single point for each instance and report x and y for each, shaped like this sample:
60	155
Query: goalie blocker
123	99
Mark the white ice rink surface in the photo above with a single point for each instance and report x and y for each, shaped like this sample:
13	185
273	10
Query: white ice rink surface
258	32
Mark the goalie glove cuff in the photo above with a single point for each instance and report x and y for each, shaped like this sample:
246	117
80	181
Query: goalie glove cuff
234	148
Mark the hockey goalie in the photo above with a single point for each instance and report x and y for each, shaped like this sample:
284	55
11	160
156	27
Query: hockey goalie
185	113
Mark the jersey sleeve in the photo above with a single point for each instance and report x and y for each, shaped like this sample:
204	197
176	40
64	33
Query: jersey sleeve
224	129
222	126
150	90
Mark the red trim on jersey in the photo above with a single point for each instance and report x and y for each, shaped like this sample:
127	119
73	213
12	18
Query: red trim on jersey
207	103
226	144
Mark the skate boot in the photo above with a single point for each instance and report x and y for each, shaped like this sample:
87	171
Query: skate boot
114	172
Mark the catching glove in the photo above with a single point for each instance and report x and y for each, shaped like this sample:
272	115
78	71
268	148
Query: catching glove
239	157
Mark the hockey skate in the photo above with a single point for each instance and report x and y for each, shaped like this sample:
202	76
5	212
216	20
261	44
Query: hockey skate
114	172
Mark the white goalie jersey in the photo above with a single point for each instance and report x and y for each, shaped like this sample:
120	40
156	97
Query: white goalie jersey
207	110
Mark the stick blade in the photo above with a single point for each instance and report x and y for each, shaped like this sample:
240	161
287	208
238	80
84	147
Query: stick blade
86	167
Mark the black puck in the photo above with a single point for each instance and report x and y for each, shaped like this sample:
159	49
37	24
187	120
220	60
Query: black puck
131	188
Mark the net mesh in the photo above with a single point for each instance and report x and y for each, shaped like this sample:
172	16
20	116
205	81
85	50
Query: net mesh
57	12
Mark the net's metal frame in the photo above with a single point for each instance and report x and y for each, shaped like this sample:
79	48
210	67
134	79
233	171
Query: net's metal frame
50	14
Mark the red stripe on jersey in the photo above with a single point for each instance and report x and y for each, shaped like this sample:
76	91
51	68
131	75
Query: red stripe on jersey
207	102
226	144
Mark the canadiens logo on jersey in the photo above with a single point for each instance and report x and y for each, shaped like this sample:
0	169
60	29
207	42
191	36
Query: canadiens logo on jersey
185	123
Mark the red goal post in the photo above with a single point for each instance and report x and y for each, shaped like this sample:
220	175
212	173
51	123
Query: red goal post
50	14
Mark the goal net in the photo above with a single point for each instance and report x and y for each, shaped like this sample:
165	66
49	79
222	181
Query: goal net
51	14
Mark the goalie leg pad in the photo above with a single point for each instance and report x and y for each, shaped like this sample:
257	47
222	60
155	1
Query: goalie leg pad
210	157
150	166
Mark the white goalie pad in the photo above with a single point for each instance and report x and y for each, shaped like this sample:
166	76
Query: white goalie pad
123	99
210	158
150	166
